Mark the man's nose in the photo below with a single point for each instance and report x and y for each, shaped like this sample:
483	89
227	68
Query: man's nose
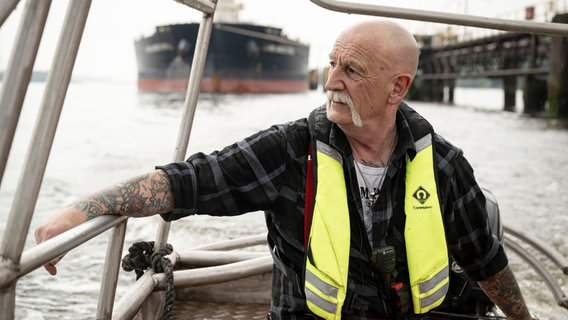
334	81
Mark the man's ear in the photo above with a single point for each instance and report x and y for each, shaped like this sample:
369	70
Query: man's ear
401	85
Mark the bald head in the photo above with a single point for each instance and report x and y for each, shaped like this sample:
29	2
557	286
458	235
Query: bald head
389	42
373	63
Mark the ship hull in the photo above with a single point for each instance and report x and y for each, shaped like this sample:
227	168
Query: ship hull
242	58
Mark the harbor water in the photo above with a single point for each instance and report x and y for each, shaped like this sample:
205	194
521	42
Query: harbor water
109	132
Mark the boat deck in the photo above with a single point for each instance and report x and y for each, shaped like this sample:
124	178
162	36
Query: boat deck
246	298
196	310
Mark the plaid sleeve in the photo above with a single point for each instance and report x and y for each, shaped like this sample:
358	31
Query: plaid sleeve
470	240
243	177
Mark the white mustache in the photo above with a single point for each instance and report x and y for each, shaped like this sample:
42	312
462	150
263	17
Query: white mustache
346	99
340	97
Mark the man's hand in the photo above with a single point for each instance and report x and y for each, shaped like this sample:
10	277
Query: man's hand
65	220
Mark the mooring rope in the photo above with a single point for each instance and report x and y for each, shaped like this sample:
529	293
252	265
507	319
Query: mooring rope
141	257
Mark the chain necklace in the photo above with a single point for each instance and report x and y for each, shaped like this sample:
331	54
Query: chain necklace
373	193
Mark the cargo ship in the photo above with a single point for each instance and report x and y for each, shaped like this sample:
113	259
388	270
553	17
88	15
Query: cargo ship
242	57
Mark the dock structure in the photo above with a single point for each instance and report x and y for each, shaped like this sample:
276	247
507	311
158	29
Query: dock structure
536	63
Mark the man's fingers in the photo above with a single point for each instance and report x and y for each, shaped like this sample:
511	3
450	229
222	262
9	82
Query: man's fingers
50	267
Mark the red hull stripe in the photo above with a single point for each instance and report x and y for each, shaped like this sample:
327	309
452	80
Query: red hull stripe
226	86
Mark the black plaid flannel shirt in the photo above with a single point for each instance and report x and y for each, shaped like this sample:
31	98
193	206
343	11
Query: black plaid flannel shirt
266	172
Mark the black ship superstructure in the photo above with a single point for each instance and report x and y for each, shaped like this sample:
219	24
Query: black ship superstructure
242	58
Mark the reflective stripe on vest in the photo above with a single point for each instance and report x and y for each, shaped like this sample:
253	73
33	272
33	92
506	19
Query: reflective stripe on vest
424	234
327	261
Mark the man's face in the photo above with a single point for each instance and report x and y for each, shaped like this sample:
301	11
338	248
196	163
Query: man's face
358	82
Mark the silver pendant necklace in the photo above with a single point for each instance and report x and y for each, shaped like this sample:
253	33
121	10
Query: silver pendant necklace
373	193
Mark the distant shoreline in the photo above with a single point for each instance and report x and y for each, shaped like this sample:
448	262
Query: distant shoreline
38	76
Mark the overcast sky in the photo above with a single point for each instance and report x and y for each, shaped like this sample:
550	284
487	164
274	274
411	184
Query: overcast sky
107	47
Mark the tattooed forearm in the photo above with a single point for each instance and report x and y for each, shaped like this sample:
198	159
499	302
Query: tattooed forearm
145	195
504	291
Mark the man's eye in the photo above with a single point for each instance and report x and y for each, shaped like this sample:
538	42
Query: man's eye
350	71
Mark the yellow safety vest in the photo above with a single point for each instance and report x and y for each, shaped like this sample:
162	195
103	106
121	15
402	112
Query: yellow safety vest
426	248
327	252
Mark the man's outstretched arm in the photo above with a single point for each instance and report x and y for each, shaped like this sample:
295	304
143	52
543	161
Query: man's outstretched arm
141	196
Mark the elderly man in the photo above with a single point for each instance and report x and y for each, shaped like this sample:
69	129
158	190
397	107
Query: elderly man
387	204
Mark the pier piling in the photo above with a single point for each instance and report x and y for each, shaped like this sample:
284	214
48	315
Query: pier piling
558	74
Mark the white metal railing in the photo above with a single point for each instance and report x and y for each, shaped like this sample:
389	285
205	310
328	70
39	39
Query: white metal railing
445	17
11	98
14	264
542	11
216	266
6	7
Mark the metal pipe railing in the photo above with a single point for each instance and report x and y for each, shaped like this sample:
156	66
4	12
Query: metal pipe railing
560	261
6	8
206	258
130	303
190	103
7	299
444	17
44	132
205	6
218	274
110	271
235	243
18	73
127	307
28	188
37	256
548	278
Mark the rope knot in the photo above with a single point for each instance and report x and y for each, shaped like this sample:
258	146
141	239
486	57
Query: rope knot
141	257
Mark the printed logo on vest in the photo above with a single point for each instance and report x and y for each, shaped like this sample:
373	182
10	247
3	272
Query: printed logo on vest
421	195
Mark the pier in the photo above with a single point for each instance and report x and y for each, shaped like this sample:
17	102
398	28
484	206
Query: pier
535	63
